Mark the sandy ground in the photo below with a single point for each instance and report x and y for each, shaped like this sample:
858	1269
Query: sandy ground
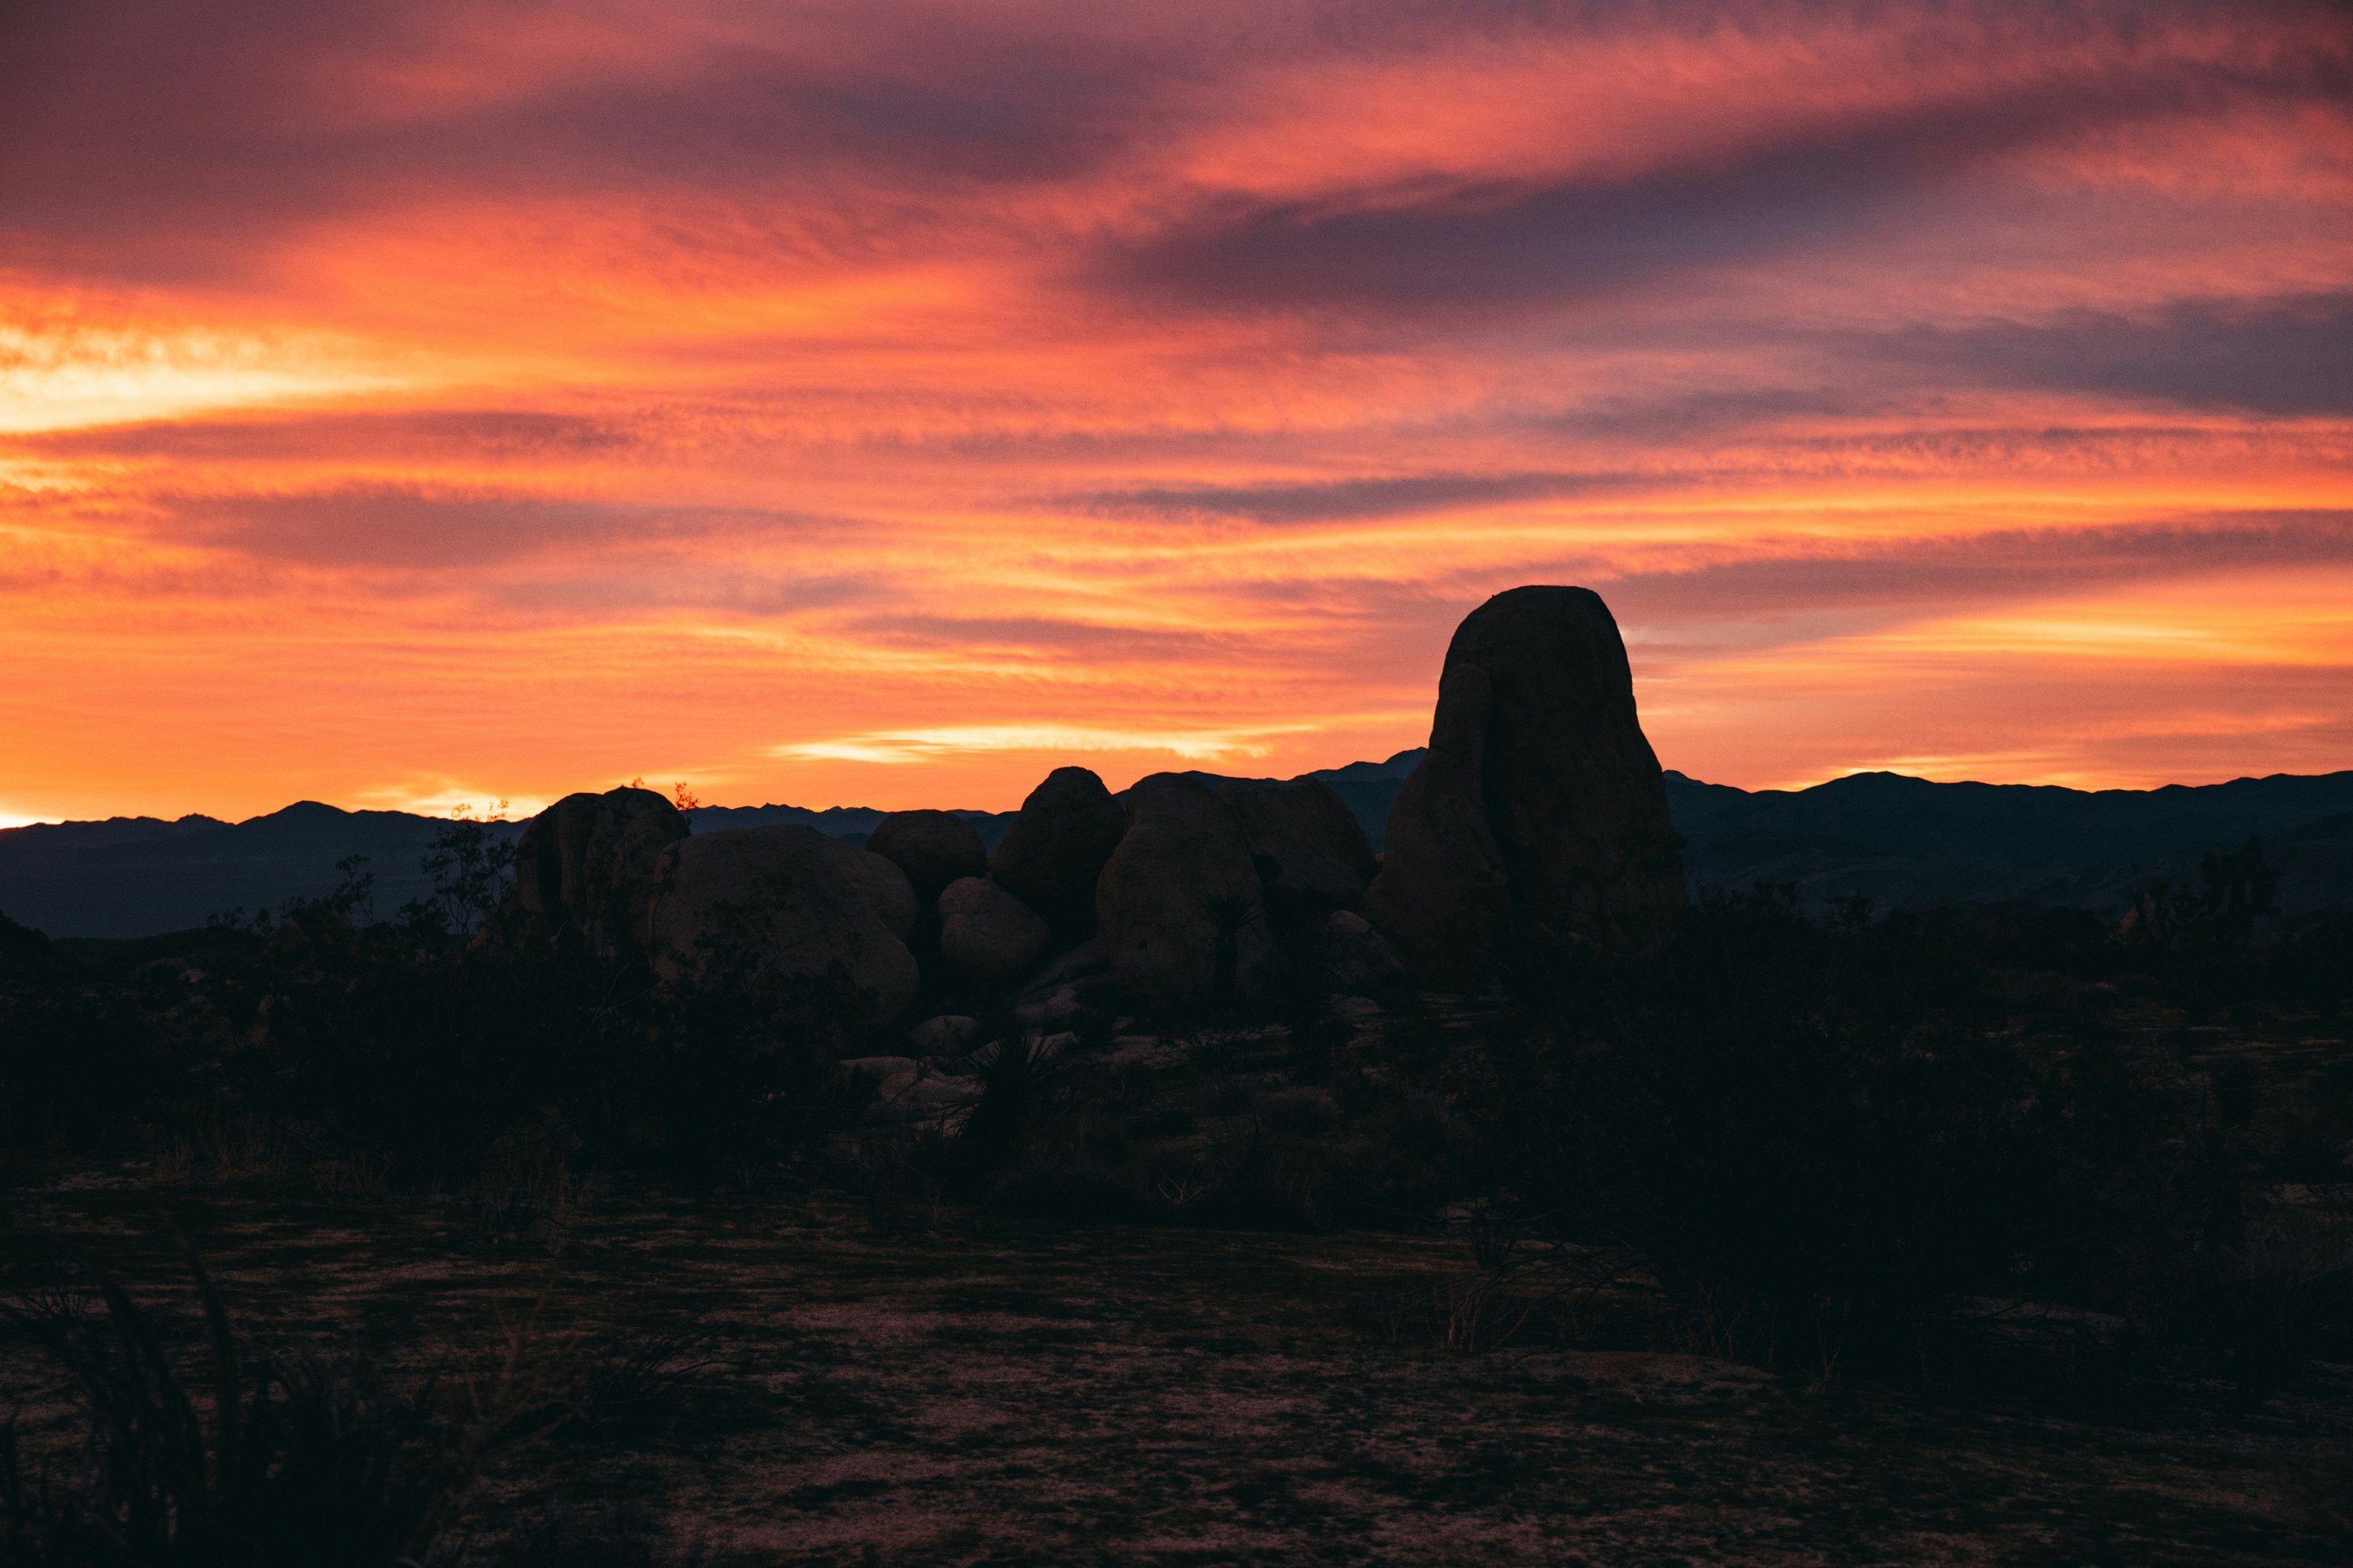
978	1390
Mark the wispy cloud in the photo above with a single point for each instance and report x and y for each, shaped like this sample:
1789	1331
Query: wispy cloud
893	747
523	397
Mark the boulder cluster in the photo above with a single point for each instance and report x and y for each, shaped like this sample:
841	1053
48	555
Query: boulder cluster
1538	809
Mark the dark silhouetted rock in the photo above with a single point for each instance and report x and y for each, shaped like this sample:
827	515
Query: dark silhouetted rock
1178	900
1442	895
791	903
988	935
1350	958
949	1035
886	889
1048	1009
585	865
1540	805
1057	847
1089	958
891	1075
1310	851
934	847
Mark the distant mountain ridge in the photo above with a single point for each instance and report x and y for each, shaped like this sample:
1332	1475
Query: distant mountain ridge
1899	841
2046	824
1892	838
138	876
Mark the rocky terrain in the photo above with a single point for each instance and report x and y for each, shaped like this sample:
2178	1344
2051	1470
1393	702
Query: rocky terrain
1539	813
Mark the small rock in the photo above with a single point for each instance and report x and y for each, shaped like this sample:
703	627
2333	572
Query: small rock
893	1075
1050	1011
936	1091
949	1035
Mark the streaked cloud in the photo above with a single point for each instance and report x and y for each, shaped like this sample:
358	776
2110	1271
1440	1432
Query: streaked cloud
60	375
902	746
420	401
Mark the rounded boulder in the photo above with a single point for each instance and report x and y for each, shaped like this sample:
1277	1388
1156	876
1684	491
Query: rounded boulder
788	903
585	867
988	935
1178	900
932	847
1058	845
1310	850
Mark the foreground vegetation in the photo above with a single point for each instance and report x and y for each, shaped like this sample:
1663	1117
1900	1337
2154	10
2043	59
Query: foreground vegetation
765	1378
1980	1232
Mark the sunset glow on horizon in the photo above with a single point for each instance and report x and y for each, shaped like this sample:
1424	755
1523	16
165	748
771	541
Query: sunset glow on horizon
422	405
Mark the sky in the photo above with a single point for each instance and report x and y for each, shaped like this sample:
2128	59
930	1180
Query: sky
425	404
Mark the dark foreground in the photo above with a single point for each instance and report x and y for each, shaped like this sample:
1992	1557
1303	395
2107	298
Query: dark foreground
788	1381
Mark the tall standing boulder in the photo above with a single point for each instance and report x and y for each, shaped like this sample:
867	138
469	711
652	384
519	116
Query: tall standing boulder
584	867
932	847
787	904
1179	900
1540	807
1058	845
1442	895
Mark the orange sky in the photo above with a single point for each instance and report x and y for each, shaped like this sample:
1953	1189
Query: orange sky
421	403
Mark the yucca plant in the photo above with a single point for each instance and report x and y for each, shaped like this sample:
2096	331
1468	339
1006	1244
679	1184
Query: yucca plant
294	1460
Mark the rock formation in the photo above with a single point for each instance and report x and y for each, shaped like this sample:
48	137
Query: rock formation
1540	807
1057	847
1348	957
884	887
932	847
988	935
1310	854
1539	810
789	903
585	867
1178	900
946	1034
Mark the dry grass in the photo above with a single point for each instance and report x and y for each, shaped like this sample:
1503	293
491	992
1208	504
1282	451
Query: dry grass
798	1385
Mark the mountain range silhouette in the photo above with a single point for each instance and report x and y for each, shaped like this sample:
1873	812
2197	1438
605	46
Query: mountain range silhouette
1893	839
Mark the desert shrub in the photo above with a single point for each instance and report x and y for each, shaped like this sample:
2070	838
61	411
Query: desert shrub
1815	1135
68	1046
199	1448
1017	1084
408	1050
2309	966
295	1458
634	1377
434	1051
